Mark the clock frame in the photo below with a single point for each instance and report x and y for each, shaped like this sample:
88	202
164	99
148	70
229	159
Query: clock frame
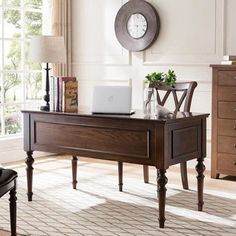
150	14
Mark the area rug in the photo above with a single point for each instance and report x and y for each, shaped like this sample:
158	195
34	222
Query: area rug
98	208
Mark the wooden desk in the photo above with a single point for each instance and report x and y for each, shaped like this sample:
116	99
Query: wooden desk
136	139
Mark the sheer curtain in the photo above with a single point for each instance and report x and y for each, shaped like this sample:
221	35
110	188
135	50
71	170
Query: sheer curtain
61	26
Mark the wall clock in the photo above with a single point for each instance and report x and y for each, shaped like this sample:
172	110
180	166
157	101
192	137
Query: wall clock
137	25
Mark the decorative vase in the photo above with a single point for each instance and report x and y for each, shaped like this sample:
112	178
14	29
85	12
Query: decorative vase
150	101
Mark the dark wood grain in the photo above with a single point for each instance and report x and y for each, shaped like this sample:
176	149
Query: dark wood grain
146	174
145	141
29	173
185	100
161	189
8	183
200	168
13	207
74	171
120	174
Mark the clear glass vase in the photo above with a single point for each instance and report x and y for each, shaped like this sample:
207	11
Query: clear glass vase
150	100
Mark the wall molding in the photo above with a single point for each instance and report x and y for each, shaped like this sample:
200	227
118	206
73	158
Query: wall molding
195	59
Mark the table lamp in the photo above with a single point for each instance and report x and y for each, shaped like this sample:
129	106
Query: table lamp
47	49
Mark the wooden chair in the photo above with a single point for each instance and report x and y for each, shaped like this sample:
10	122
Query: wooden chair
8	184
187	89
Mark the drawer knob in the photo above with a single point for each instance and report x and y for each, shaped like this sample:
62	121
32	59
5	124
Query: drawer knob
235	127
234	163
234	145
235	110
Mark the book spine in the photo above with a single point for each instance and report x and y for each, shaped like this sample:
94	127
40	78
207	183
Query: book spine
63	95
229	58
71	96
61	92
51	93
228	62
57	94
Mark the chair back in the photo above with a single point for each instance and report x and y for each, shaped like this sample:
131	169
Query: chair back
187	89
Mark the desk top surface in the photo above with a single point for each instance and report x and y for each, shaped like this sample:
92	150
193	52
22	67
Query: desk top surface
138	115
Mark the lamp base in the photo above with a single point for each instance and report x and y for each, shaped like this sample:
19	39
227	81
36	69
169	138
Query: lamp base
44	108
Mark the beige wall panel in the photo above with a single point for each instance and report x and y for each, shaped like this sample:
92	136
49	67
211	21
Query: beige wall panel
191	32
230	27
93	38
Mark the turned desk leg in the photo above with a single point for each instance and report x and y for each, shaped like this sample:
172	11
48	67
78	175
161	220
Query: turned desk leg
146	173
12	204
200	168
29	172
161	191
120	174
74	171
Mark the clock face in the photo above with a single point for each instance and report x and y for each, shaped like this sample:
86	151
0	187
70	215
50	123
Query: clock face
137	26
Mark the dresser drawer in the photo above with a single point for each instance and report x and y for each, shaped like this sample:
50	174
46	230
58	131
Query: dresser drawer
227	110
227	93
226	162
226	127
227	144
227	77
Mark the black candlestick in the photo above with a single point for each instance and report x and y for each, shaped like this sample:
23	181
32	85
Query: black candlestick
46	96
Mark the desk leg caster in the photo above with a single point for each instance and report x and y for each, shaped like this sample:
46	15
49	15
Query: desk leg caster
161	192
29	173
200	168
74	171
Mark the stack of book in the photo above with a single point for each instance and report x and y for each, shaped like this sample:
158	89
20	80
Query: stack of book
64	94
229	60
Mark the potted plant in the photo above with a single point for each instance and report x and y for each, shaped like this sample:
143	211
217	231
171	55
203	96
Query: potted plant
157	79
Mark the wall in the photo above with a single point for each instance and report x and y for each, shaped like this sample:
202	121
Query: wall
194	34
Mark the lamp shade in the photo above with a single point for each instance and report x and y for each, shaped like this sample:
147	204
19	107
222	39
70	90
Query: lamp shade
48	49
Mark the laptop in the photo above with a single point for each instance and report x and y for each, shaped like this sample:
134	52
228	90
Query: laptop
112	100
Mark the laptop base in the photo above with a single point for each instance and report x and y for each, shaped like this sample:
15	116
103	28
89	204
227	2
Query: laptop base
111	113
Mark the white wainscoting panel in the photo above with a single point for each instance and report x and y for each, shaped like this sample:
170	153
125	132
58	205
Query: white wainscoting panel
191	33
93	37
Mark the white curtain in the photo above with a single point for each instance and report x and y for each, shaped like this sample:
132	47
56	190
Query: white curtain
61	26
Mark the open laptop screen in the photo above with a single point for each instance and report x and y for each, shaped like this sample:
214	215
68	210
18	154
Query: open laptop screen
112	99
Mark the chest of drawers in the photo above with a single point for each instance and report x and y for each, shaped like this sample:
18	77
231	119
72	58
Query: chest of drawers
223	158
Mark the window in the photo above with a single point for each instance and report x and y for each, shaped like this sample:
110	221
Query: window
20	80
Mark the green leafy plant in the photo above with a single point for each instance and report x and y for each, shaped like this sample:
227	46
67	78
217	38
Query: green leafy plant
159	78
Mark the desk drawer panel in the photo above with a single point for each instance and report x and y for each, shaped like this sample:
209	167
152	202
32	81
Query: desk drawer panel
227	78
227	93
226	162
227	144
227	127
227	110
123	142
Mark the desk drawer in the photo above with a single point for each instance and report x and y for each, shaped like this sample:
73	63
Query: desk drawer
227	144
227	93
226	162
226	127
227	110
227	78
